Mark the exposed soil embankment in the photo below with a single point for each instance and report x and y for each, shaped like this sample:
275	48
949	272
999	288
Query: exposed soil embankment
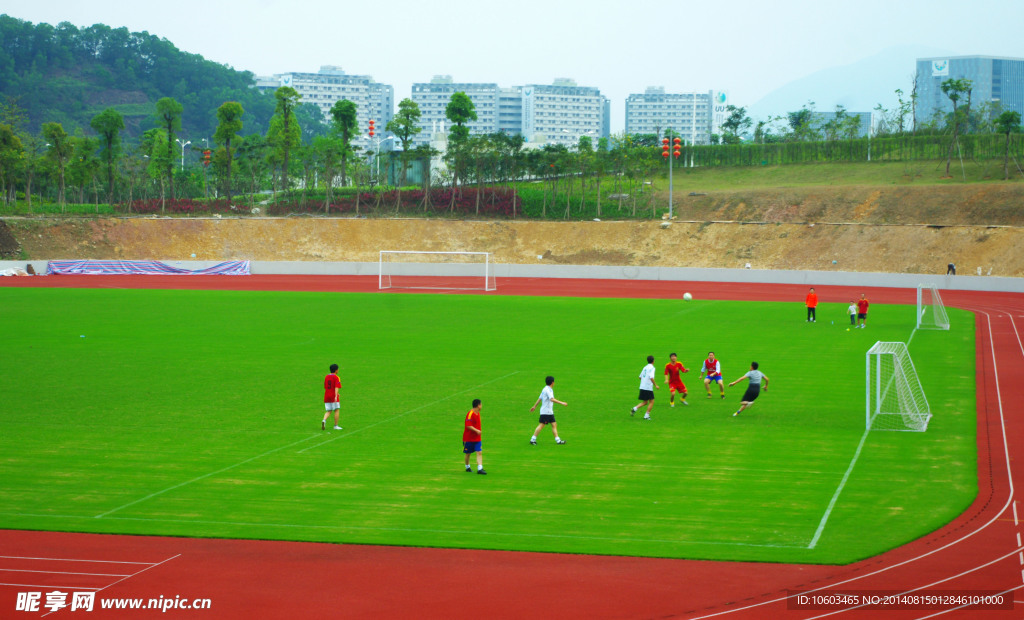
900	230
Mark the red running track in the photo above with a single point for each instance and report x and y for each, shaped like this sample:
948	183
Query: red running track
979	551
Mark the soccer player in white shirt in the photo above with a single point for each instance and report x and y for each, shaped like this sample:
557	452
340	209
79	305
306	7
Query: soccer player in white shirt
647	382
547	411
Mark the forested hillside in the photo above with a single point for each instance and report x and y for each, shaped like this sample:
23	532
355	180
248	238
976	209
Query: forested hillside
68	75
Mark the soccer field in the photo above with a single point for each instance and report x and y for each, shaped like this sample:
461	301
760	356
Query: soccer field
197	413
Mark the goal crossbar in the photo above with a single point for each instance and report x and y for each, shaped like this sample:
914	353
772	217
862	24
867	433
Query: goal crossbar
436	270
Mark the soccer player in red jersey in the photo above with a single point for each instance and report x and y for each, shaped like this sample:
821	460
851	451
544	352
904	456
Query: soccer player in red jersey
812	305
862	311
472	436
332	397
675	384
711	370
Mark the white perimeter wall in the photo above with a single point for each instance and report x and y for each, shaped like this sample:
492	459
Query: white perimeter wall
809	278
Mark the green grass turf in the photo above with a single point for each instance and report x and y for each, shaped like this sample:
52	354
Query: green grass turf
198	414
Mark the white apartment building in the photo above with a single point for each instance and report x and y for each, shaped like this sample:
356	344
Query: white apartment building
328	86
558	113
691	115
510	110
562	112
433	97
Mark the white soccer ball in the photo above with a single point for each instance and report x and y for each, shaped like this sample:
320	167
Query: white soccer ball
687	296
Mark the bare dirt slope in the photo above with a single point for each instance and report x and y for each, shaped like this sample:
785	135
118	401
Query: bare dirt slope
902	230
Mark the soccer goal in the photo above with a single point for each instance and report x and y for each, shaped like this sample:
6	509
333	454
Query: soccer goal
931	314
895	400
461	271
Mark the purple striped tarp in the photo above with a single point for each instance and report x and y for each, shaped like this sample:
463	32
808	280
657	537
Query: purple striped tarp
148	267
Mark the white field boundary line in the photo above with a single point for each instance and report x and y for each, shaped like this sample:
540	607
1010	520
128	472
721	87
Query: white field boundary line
930	585
842	483
109	585
980	527
295	443
839	490
19	557
951	610
58	572
48	586
203	477
362	528
411	411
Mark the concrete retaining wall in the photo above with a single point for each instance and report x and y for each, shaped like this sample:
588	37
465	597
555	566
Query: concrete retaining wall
808	278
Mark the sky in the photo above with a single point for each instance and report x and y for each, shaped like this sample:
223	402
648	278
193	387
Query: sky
743	47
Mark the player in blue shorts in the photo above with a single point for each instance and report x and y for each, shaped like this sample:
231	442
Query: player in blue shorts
472	435
711	370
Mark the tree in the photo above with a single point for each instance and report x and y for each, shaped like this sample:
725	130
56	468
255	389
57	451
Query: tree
346	124
735	125
84	166
284	134
59	153
1008	123
108	124
251	159
11	151
229	117
405	126
955	89
904	108
801	123
153	147
311	119
34	156
328	152
460	110
168	116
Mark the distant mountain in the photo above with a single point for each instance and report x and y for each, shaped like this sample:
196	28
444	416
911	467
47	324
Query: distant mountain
68	75
859	87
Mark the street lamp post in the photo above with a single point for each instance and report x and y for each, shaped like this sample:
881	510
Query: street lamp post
378	141
183	145
675	155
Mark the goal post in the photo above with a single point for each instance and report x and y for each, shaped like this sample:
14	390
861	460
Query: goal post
931	313
463	271
894	398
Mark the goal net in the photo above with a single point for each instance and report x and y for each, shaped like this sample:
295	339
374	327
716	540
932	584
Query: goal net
462	271
931	314
895	400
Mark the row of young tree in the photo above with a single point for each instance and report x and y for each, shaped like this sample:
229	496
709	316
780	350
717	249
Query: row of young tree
315	172
325	171
802	137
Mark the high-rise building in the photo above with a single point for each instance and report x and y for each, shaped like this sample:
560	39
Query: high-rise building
373	100
993	80
510	110
433	97
558	113
563	112
690	115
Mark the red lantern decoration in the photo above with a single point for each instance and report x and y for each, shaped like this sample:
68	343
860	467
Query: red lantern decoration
372	128
664	148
